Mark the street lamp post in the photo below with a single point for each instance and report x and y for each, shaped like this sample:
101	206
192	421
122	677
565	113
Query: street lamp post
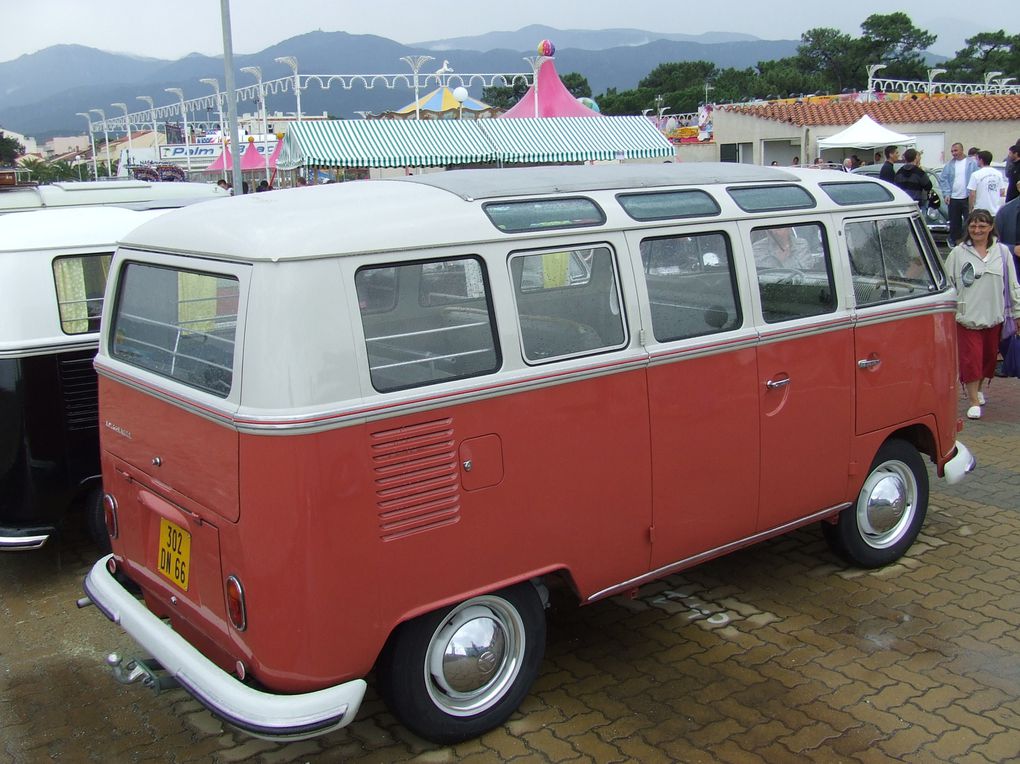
536	64
184	119
872	70
77	163
292	63
92	143
127	127
106	137
256	72
460	95
215	85
155	130
932	74
416	63
989	76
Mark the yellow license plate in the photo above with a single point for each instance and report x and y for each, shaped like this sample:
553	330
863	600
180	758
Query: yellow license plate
174	553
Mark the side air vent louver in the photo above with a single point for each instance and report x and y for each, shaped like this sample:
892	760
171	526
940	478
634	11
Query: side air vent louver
417	482
81	393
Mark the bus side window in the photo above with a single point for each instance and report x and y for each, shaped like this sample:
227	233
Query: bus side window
568	303
794	271
441	332
691	285
886	261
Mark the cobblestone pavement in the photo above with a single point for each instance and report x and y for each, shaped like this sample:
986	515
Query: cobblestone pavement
775	654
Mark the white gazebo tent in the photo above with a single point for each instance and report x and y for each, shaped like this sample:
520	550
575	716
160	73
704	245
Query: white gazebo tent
866	133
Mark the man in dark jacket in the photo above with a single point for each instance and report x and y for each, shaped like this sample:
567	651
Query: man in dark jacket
888	171
1007	223
913	179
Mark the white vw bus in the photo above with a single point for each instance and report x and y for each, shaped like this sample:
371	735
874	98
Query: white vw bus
362	426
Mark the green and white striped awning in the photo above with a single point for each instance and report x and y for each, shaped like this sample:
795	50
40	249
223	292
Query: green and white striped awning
575	139
432	143
383	143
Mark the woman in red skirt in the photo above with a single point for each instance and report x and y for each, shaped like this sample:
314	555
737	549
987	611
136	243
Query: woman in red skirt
979	271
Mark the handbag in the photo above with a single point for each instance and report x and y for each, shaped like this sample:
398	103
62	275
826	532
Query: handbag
1009	345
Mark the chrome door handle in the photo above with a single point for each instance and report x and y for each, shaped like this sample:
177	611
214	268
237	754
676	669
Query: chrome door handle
868	363
776	384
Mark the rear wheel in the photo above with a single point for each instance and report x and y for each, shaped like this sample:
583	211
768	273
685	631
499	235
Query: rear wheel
460	671
889	511
96	520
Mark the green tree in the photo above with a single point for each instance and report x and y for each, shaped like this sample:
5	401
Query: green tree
577	84
39	169
63	170
502	97
614	103
983	53
10	149
836	60
681	85
893	40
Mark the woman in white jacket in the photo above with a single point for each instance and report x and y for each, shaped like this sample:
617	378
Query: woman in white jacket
979	268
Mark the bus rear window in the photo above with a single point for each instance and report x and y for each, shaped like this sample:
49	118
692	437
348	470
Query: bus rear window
179	324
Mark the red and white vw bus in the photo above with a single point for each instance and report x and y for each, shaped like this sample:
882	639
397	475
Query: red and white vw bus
359	427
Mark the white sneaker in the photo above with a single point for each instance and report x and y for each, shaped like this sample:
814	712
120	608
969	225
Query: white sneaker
974	412
981	398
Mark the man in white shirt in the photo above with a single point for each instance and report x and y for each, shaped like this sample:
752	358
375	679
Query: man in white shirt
953	184
986	187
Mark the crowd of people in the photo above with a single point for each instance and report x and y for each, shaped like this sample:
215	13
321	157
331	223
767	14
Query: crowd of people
263	185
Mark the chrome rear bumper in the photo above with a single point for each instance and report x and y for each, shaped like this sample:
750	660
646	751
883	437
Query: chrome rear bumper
262	714
962	463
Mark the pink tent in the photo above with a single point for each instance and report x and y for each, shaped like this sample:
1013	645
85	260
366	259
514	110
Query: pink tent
549	97
222	162
251	159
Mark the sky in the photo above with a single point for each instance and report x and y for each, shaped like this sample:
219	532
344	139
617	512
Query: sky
170	29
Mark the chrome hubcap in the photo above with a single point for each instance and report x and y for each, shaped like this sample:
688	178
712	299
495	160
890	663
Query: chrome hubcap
887	504
474	656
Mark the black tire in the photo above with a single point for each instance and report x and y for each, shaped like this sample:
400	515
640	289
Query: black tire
96	521
889	512
447	698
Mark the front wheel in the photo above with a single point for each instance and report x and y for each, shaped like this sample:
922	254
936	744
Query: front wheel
460	671
889	511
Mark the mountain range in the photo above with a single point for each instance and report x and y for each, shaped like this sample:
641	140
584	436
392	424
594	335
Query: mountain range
40	93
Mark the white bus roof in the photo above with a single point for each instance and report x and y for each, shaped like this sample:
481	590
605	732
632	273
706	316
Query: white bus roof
69	228
135	193
443	209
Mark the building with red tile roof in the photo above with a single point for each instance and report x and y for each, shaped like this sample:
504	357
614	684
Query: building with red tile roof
779	131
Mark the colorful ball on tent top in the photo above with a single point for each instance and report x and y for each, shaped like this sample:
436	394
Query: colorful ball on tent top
546	48
585	101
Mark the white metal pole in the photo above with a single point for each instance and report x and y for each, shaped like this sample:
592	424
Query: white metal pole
231	91
92	143
293	64
256	71
155	130
127	125
184	120
215	84
106	137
